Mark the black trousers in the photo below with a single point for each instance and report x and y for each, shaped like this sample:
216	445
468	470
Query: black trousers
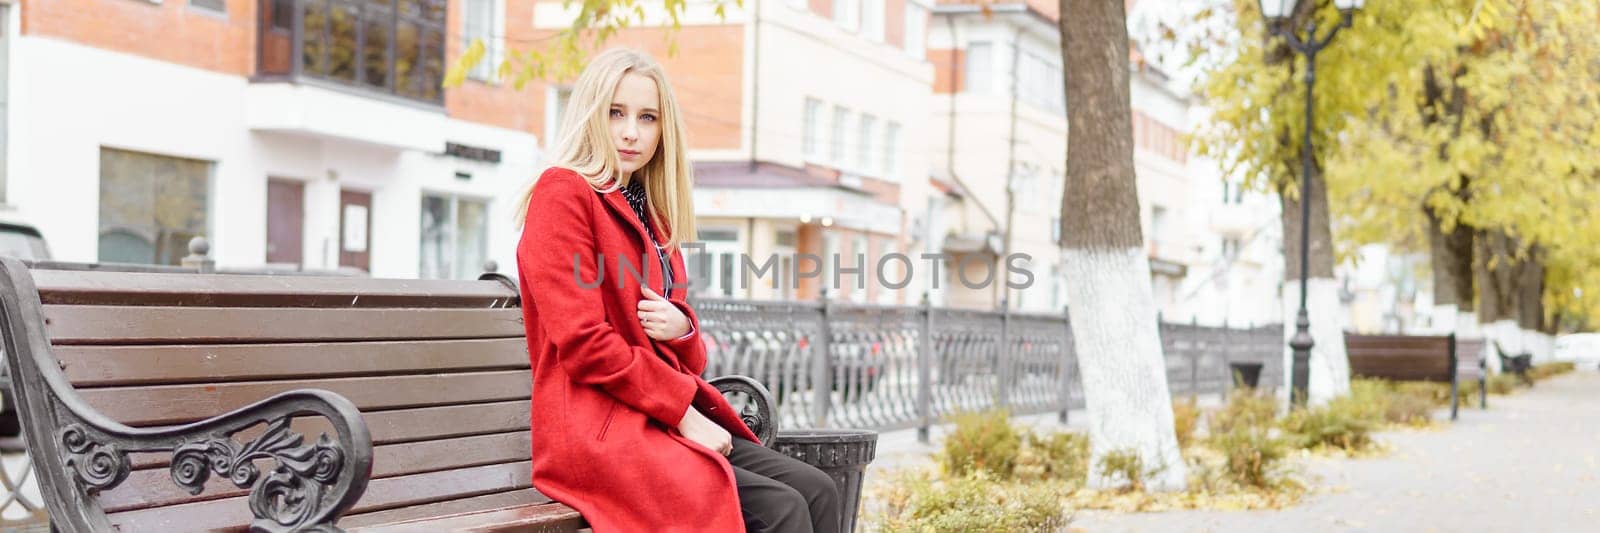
779	494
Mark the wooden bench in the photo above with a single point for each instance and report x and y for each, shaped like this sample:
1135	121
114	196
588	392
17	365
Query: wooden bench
164	401
1440	359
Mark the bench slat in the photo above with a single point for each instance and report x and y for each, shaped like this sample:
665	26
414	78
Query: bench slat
173	404
99	366
96	324
488	502
405	425
124	288
544	518
154	487
382	494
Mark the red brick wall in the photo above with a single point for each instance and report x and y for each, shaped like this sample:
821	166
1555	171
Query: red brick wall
946	77
894	19
823	8
171	31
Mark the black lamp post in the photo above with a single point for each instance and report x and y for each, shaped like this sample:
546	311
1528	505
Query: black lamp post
1278	15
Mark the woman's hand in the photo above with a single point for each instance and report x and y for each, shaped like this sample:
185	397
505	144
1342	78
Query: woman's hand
696	427
662	321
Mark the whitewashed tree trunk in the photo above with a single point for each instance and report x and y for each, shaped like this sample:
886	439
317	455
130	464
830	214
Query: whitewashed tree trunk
1113	313
1330	366
1508	335
1120	360
1444	319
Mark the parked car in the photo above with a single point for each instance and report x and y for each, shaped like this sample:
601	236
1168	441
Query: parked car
20	239
1582	349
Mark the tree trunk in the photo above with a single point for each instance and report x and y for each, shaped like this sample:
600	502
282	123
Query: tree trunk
1113	311
1330	367
1530	304
1451	254
1495	269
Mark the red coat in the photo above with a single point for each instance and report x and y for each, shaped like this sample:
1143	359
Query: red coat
606	397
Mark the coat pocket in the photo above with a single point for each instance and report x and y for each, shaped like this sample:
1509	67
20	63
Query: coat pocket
606	425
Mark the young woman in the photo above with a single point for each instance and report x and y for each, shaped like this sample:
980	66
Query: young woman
625	430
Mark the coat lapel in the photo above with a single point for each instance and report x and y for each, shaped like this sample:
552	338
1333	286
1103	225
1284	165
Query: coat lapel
620	207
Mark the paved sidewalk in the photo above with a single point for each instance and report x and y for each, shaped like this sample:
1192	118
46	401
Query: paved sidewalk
1529	463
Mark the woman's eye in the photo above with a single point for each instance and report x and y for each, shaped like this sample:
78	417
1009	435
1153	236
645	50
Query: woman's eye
616	113
649	117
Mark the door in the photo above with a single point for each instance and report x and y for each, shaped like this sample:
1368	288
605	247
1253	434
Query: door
286	216
355	229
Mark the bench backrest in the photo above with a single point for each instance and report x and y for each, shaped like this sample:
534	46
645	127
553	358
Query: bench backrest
1401	357
439	370
1470	354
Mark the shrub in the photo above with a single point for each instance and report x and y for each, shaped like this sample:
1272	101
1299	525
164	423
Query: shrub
1185	416
1057	456
1245	408
1252	455
916	501
1345	422
983	441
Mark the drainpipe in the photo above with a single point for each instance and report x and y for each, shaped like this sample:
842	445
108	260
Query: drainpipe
1011	165
755	86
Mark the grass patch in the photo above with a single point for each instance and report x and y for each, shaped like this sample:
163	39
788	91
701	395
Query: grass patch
1543	371
920	500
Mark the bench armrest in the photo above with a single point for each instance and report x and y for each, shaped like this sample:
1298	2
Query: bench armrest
79	452
310	485
759	412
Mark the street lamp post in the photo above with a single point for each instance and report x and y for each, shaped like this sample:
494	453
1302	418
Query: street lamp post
1278	15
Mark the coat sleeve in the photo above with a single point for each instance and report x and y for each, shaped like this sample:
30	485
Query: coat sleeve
558	244
690	348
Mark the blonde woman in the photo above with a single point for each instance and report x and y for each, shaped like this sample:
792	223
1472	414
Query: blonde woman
624	429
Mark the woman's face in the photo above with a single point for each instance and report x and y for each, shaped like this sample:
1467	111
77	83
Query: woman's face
635	121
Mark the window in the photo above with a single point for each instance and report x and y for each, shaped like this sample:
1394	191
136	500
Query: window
556	101
836	150
916	31
723	255
830	255
483	20
214	6
869	125
891	150
811	145
1040	83
979	68
847	13
859	257
150	206
455	237
350	42
872	20
892	272
783	282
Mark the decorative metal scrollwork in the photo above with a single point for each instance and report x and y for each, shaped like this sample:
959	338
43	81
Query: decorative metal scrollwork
288	496
96	466
755	404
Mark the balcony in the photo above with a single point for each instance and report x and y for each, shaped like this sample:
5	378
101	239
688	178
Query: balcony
368	71
381	48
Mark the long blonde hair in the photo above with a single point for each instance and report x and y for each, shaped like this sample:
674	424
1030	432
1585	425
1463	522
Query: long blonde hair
585	145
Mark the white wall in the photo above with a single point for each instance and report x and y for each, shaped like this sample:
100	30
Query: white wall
74	99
